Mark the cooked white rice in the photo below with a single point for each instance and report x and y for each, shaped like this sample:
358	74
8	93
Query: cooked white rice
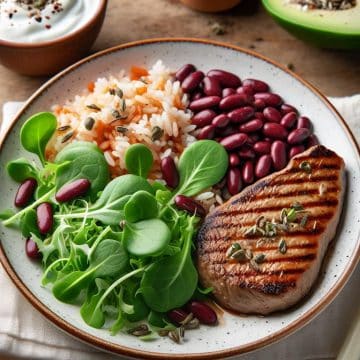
154	100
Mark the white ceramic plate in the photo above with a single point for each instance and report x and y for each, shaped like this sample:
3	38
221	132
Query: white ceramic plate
235	334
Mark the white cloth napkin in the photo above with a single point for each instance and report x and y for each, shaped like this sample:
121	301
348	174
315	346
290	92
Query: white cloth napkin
25	333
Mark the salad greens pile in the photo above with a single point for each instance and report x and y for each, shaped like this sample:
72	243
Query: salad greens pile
124	251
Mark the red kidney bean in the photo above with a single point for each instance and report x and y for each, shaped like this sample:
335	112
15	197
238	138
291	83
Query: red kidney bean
259	104
288	120
246	153
228	91
169	171
189	205
312	141
196	95
73	190
204	117
234	159
271	114
220	121
286	108
211	86
203	312
262	147
263	166
297	136
225	78
275	131
233	101
192	81
247	172
207	132
226	131
270	99
304	122
233	181
278	154
44	216
242	114
184	72
234	141
31	249
257	85
297	149
176	316
204	103
248	98
259	115
251	126
25	192
252	139
246	89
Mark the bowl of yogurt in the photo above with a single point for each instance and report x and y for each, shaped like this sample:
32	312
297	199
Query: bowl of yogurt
41	37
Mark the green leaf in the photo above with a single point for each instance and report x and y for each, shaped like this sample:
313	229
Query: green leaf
138	160
201	165
68	288
92	315
108	259
6	214
21	169
36	132
170	282
157	319
83	162
141	310
147	237
141	206
28	224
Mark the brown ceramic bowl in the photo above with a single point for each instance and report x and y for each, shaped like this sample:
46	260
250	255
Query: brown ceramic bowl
46	58
211	6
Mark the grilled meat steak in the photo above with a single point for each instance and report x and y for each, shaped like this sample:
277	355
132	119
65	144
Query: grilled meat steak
273	264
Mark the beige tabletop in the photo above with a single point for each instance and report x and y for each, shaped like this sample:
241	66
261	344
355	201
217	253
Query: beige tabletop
336	73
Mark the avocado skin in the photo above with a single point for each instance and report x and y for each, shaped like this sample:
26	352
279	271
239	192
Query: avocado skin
320	38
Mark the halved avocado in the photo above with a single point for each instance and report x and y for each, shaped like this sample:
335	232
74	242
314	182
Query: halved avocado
336	29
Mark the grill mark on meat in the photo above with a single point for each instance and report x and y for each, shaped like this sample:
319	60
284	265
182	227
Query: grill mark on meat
289	247
310	179
332	191
280	259
278	273
307	205
234	222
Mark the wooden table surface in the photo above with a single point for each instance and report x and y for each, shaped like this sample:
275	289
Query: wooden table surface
336	73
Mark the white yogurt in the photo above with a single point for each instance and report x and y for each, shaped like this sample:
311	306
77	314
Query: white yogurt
22	22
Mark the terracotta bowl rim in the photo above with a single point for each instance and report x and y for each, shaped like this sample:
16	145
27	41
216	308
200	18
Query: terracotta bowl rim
62	39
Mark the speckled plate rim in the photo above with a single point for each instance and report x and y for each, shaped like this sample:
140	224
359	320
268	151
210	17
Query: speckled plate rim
130	352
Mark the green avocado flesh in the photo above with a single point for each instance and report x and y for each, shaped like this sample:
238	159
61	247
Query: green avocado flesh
325	28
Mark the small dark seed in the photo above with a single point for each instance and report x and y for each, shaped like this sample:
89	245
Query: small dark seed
93	107
115	113
156	133
122	129
174	336
259	258
67	137
89	123
64	128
